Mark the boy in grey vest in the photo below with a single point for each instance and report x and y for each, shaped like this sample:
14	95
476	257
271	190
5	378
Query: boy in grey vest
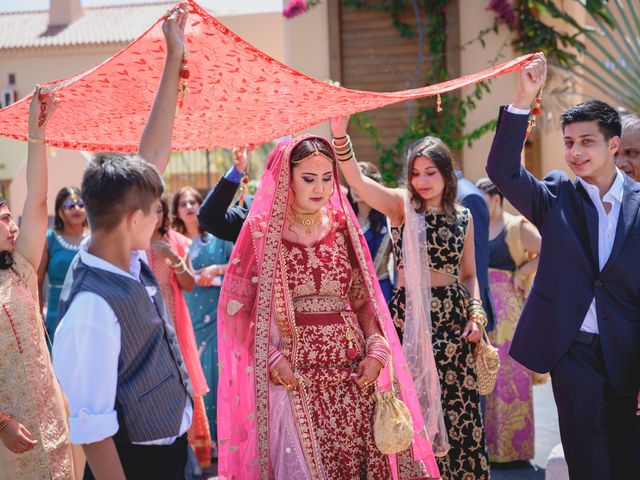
115	351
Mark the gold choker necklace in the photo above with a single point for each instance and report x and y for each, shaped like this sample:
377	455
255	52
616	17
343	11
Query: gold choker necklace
307	221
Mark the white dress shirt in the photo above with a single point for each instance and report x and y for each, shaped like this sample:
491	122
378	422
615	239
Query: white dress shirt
86	350
607	225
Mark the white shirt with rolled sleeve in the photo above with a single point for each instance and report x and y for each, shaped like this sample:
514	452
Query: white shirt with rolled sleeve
86	350
607	226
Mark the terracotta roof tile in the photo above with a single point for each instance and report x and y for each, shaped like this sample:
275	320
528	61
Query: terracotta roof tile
98	25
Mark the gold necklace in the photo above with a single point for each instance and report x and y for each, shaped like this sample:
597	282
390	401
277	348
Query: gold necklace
307	221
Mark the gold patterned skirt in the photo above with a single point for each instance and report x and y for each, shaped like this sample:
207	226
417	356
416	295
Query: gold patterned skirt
467	458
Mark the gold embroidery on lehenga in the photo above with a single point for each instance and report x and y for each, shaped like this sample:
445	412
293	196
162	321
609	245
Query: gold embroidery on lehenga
316	303
234	307
274	297
305	428
408	468
327	404
368	285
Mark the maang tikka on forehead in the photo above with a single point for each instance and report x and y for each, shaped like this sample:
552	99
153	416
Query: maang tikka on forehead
316	155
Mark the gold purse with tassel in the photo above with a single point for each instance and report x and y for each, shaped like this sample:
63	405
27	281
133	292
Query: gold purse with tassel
392	423
487	364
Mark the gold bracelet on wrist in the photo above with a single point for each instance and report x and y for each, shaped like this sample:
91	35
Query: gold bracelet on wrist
178	265
5	418
37	141
173	265
481	323
476	312
481	320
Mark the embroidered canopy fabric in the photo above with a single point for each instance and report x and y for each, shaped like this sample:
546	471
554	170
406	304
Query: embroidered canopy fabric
238	95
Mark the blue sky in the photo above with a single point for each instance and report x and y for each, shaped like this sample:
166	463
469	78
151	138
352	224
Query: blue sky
216	6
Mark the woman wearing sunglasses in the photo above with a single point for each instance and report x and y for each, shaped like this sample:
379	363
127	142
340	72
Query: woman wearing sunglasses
62	244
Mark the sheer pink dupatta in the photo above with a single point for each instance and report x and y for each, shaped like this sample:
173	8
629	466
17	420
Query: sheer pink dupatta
246	328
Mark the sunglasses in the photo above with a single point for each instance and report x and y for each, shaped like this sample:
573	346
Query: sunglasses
69	204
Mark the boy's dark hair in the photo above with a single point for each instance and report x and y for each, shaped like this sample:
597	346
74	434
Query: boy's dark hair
604	115
114	185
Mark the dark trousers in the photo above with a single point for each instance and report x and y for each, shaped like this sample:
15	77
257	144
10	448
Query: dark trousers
150	462
598	426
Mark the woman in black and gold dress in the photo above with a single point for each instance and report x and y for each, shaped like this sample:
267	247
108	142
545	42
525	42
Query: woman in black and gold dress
437	301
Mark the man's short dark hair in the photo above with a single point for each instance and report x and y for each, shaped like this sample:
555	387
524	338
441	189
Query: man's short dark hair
604	115
115	185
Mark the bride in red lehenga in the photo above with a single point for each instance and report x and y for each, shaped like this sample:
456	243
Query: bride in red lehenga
305	336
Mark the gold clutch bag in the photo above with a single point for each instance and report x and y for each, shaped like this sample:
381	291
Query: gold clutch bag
392	424
487	364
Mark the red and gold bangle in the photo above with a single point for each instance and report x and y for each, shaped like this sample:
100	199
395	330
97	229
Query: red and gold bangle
274	357
378	348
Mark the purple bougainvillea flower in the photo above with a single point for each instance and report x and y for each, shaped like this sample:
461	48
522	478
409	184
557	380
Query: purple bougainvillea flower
504	12
295	8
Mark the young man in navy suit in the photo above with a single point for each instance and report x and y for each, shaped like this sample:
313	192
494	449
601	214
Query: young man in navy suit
581	321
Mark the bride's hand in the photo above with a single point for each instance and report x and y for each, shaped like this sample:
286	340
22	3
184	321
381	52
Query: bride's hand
367	372
282	374
339	126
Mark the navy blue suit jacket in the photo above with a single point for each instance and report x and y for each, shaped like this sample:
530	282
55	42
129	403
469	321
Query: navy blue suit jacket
216	214
568	274
472	198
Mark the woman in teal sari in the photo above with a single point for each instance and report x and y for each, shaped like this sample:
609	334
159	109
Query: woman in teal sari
61	246
209	257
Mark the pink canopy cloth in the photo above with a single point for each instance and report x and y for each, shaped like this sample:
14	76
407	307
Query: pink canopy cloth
237	96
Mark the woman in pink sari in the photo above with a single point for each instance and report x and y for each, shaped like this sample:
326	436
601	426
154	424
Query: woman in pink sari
305	336
169	260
